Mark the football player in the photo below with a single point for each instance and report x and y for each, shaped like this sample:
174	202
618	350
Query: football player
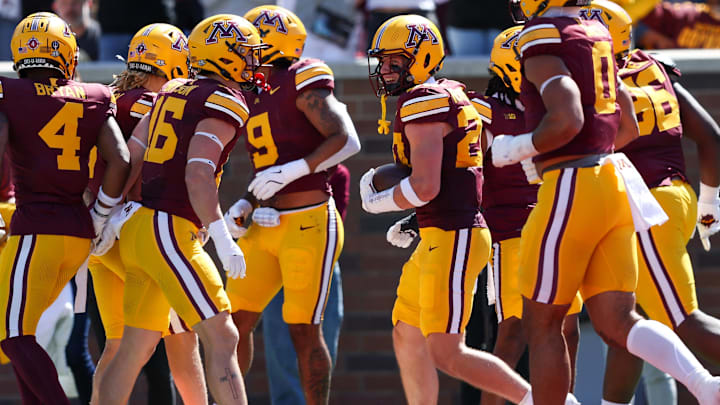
507	200
436	133
193	128
50	123
297	130
570	241
666	112
157	53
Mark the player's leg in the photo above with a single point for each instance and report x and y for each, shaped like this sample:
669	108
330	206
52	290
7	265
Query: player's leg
571	333
32	274
622	374
183	356
108	288
417	369
250	296
701	332
312	243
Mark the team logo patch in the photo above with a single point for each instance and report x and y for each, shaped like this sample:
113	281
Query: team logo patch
160	62
511	42
141	48
33	43
271	18
708	220
224	29
419	33
55	45
66	32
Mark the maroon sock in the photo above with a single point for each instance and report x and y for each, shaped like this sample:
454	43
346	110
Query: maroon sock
34	370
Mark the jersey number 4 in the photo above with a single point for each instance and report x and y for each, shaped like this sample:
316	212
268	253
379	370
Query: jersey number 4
68	141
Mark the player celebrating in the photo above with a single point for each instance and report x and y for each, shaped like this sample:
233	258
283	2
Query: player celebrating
666	285
576	118
193	128
507	201
52	230
297	130
437	134
158	53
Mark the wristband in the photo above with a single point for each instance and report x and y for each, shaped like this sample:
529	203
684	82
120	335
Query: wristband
219	232
107	200
409	193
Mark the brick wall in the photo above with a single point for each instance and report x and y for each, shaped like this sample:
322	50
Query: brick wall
366	371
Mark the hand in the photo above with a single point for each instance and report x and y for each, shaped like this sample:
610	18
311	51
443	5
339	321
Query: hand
708	215
106	242
509	149
236	217
230	254
271	180
403	232
267	217
366	187
530	170
376	202
100	216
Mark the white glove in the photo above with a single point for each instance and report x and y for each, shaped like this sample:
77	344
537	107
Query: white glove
376	202
108	236
509	149
708	214
271	180
236	216
230	254
100	216
530	170
267	217
3	230
403	232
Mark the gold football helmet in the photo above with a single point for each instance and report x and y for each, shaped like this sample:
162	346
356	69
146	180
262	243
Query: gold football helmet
505	59
418	40
160	49
617	21
281	29
44	40
536	8
227	45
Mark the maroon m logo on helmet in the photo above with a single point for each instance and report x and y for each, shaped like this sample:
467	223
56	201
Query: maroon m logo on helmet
268	17
180	44
592	14
419	33
225	29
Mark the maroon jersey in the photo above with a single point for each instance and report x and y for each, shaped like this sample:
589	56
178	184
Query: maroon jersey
657	154
586	49
457	205
173	118
7	189
277	132
132	105
507	197
689	25
54	124
340	185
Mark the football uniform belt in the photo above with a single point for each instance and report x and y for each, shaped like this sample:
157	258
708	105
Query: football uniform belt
585	161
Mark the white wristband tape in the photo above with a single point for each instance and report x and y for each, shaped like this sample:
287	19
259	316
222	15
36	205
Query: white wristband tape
409	193
107	200
708	194
212	137
206	161
138	141
550	80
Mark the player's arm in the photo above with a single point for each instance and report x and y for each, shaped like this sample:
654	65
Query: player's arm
562	122
331	119
206	146
629	130
137	144
114	152
699	126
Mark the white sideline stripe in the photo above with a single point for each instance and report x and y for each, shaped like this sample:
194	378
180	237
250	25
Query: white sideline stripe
329	256
548	264
676	312
225	110
17	286
457	281
313	80
184	272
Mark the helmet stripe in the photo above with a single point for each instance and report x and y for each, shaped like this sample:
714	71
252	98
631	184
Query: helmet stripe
380	34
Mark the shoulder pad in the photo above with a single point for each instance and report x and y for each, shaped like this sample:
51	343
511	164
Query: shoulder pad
422	101
667	63
309	71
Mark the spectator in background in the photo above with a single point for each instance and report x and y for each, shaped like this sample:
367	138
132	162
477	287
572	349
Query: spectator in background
379	11
280	356
120	20
682	25
87	31
473	25
9	17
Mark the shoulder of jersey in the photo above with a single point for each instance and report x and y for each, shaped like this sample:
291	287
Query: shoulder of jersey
541	33
173	84
143	102
423	100
96	91
308	71
483	105
229	102
667	63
